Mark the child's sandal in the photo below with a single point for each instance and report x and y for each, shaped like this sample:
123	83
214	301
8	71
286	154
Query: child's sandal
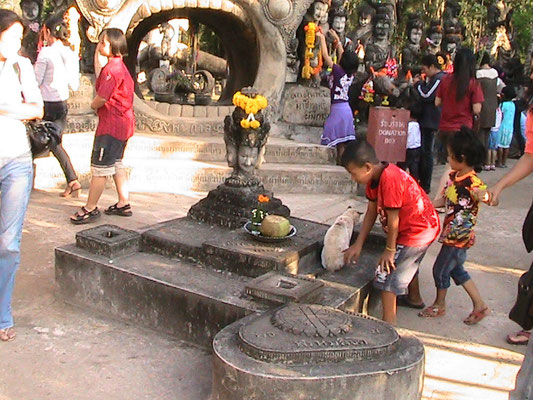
7	335
476	316
85	216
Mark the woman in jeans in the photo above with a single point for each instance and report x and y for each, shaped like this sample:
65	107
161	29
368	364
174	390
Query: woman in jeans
56	69
20	99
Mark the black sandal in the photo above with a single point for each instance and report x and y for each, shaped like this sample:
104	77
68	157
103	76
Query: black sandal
85	217
124	211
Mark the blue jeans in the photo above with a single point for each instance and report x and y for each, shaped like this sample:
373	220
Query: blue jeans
15	186
450	263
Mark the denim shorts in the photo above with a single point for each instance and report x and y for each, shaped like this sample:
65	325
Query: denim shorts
407	260
450	264
107	155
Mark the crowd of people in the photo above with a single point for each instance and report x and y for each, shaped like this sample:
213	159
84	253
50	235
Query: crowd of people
471	113
40	91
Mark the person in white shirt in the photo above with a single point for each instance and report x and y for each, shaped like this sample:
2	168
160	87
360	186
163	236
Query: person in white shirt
20	99
413	151
57	69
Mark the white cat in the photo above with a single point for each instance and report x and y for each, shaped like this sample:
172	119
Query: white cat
338	238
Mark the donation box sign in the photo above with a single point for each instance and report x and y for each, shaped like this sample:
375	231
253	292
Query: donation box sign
387	132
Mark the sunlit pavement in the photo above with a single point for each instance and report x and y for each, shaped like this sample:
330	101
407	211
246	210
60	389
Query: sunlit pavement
64	353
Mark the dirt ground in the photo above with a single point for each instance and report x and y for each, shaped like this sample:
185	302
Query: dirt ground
67	353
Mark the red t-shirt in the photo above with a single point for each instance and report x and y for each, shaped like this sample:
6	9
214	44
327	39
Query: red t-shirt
419	222
116	116
529	132
456	114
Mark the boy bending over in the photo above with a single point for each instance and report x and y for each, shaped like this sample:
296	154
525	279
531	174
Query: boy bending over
407	216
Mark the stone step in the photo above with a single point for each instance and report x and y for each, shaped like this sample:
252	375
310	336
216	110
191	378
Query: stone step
160	173
211	148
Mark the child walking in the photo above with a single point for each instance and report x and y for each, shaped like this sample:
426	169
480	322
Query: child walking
339	126
408	218
116	123
505	134
466	155
492	152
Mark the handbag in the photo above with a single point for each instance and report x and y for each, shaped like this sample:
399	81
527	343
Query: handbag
522	311
527	230
43	135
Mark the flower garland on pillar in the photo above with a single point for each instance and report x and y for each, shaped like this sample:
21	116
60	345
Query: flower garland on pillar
251	106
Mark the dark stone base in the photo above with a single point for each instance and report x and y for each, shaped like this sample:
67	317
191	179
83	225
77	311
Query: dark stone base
230	207
189	279
396	376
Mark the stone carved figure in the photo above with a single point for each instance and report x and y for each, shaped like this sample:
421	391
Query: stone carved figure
411	53
245	134
499	15
31	16
433	38
363	32
309	53
453	30
337	23
378	49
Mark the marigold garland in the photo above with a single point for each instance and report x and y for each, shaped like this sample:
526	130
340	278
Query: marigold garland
251	106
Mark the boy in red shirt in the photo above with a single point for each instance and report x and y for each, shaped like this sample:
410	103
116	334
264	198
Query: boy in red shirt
408	218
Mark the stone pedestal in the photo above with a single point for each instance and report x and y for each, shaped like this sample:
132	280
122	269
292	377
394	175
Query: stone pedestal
231	206
313	352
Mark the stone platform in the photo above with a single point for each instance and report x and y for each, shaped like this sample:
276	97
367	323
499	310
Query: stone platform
311	352
191	279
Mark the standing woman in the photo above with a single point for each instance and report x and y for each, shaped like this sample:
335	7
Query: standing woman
116	123
56	69
460	97
20	99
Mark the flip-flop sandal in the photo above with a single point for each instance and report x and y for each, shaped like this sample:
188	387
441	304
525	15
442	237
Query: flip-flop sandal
476	316
432	312
7	335
403	301
124	211
519	338
85	216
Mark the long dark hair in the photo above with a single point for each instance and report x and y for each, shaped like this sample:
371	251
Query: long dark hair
57	27
464	69
7	19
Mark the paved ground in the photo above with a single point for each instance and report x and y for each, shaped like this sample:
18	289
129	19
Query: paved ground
65	353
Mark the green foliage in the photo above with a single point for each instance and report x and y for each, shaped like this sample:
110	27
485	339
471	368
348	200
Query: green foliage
522	17
474	18
209	41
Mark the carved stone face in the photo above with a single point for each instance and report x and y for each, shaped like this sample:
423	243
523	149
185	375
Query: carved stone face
436	38
231	154
364	20
339	24
381	30
30	10
320	11
415	36
247	159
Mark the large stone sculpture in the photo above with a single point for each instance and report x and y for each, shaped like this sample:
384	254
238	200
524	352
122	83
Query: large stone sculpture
31	16
433	38
245	135
411	52
337	23
309	53
378	50
363	32
499	15
453	29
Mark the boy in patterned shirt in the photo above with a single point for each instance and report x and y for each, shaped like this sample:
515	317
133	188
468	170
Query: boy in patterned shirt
466	155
